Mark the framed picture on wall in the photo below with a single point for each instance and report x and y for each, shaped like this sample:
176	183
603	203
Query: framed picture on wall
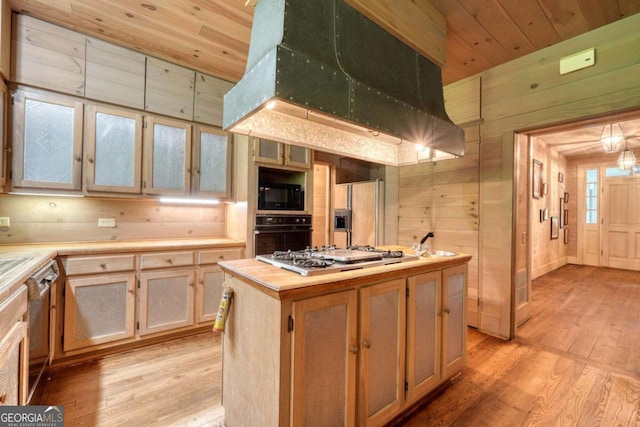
537	179
560	177
546	214
566	235
566	197
545	189
562	211
555	228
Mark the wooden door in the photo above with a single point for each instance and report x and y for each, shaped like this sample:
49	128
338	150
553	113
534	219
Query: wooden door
424	334
382	355
524	215
325	351
98	310
621	223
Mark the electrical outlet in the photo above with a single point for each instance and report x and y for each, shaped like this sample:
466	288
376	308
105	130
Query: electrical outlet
106	222
5	221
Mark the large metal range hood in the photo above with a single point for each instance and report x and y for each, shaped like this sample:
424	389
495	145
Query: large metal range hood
322	75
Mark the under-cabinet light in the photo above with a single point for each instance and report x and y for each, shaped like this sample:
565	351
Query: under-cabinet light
19	193
188	201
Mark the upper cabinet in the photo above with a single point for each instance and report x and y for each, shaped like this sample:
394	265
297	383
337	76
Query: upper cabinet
51	57
115	74
170	89
4	141
208	99
211	160
113	150
47	149
277	153
48	56
5	38
167	156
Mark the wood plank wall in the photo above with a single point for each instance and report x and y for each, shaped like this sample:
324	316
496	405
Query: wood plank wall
36	219
530	93
549	254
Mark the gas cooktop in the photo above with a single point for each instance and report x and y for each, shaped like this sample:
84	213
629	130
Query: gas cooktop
329	259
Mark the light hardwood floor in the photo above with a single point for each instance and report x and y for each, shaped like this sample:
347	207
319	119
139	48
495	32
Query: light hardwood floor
575	363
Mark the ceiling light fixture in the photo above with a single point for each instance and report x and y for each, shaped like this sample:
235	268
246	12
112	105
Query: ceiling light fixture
626	159
611	138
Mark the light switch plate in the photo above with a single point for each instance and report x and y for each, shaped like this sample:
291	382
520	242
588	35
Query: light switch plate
106	222
5	221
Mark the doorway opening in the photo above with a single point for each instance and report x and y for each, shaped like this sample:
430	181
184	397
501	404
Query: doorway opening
572	202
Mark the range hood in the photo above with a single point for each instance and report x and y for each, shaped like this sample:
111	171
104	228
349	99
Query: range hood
320	74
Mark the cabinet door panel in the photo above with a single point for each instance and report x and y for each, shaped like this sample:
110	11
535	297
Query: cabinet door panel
298	156
454	326
382	325
98	310
212	155
423	335
113	150
267	151
167	156
47	141
166	300
209	293
324	360
12	385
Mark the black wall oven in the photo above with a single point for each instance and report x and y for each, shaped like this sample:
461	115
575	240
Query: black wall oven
281	232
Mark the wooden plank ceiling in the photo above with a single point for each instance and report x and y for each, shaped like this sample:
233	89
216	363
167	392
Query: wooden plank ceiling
212	36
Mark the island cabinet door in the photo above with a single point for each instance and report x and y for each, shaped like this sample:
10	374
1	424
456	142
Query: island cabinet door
454	326
325	352
382	359
423	334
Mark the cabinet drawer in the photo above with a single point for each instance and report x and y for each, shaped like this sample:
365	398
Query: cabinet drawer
216	255
98	264
12	309
166	259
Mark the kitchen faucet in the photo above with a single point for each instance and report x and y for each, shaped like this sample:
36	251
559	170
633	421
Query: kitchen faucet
424	239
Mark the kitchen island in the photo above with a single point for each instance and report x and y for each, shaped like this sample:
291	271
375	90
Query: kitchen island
354	347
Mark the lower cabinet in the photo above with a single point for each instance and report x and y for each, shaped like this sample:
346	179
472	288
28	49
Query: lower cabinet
166	300
14	349
407	336
111	300
98	310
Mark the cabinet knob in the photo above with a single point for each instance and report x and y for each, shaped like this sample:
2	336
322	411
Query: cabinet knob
3	398
353	349
446	310
131	291
366	344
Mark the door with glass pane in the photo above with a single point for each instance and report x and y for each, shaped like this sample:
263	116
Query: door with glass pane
167	156
211	160
325	352
47	141
113	150
382	347
588	211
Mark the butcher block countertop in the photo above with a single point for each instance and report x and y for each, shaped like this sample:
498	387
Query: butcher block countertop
38	255
284	284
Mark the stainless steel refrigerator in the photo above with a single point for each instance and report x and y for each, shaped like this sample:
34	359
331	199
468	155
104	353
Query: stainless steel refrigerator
358	214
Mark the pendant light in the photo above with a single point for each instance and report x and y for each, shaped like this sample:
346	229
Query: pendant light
626	159
611	138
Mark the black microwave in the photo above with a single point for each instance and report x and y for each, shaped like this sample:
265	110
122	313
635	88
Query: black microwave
281	197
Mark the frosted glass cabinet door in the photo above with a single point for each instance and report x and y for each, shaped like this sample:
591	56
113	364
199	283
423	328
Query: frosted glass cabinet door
298	156
454	326
211	160
167	156
209	293
267	151
47	141
325	352
423	334
98	310
382	344
113	150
